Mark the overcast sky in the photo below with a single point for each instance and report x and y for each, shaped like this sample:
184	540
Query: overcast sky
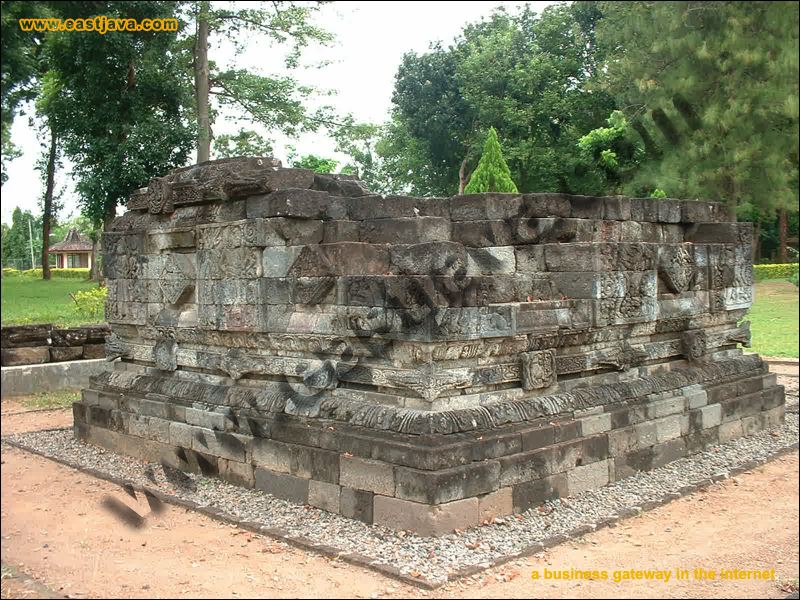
371	38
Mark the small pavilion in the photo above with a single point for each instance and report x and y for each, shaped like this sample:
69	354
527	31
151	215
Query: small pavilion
75	252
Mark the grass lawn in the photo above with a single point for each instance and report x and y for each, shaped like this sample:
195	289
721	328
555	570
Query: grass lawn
26	300
60	399
774	319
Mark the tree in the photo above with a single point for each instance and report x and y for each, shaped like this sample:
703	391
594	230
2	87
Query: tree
360	142
317	164
23	73
526	75
491	174
18	239
49	203
432	126
119	102
275	102
19	69
243	143
718	82
80	223
608	158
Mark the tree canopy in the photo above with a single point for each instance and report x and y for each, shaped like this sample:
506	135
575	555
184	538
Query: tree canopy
716	85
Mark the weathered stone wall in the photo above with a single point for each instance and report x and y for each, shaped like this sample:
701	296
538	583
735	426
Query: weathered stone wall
420	362
43	343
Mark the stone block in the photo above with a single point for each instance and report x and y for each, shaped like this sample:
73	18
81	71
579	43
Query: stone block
236	472
774	417
324	495
94	351
208	419
356	504
527	466
528	494
546	205
364	474
696	399
712	233
217	443
25	356
587	477
530	259
631	439
158	430
490	206
314	463
490	261
59	354
423	519
669	211
439	487
540	437
698	441
404	230
668	428
277	260
271	455
480	234
299	203
753	424
495	504
730	431
710	416
181	434
586	207
596	424
617	208
666	407
340	231
280	485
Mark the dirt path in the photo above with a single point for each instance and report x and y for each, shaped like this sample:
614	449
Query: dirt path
16	418
55	529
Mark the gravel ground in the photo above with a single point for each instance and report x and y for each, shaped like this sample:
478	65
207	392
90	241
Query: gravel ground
429	558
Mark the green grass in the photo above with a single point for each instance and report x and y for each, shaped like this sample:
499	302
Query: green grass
26	300
774	319
60	399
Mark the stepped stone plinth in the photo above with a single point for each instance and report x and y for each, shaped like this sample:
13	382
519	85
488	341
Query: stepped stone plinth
421	363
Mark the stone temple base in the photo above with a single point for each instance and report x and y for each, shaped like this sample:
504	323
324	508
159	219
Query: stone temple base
431	481
420	363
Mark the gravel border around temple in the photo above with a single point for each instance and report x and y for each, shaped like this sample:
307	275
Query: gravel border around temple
426	562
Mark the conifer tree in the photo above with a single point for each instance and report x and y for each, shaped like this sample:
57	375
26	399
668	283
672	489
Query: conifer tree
492	173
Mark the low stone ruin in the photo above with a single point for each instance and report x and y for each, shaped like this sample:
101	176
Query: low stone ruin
43	343
420	363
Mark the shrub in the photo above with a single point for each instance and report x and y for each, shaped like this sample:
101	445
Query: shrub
59	273
91	303
781	271
492	173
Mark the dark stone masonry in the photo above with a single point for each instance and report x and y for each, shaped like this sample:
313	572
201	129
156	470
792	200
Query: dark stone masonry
420	363
36	344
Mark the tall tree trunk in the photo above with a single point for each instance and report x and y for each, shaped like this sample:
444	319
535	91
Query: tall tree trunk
757	241
48	205
733	196
463	177
94	272
783	226
97	274
201	84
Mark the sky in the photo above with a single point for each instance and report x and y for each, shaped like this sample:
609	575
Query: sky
371	38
